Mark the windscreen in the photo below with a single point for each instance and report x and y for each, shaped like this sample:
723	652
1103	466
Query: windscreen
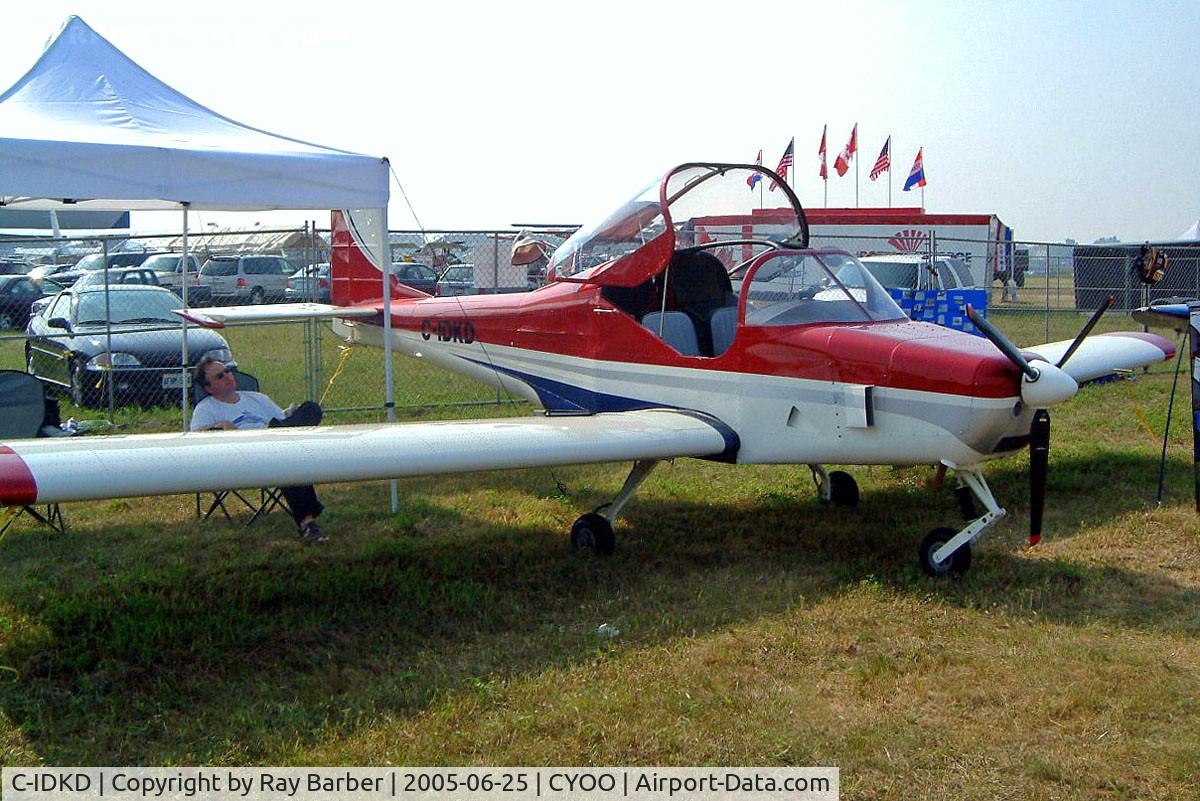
706	203
127	307
632	225
800	287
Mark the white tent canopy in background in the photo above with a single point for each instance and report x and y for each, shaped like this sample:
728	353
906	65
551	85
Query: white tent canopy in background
87	127
1192	234
87	124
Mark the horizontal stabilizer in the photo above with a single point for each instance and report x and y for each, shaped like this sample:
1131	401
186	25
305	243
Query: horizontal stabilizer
221	316
1103	354
57	469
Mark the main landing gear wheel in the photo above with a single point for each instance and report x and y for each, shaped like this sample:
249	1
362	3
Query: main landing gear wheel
593	532
843	490
958	562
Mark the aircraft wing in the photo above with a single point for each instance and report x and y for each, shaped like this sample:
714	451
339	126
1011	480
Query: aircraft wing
1165	315
58	469
1104	354
220	316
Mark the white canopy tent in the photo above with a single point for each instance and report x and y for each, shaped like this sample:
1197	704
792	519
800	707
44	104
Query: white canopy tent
87	127
1192	233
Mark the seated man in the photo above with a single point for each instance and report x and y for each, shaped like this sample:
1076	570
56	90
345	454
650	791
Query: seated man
225	407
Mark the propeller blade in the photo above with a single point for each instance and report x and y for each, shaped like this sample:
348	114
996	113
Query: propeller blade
1087	329
1039	459
1003	343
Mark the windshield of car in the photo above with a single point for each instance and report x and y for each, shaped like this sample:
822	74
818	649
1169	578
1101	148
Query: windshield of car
219	267
795	288
894	274
93	262
164	263
126	307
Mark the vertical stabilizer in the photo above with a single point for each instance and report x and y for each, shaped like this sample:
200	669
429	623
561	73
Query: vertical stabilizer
354	275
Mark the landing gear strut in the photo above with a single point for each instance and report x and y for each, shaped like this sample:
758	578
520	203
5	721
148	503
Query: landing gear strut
593	531
947	552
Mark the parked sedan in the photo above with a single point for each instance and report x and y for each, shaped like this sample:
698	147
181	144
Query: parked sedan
415	275
68	344
17	294
309	283
458	280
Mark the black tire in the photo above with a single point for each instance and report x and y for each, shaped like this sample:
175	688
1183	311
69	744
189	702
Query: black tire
843	489
7	321
257	296
593	532
81	394
956	565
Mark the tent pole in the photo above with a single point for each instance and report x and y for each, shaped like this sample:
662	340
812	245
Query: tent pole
183	362
385	263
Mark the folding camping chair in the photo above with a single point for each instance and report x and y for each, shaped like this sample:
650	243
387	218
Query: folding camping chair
22	411
268	498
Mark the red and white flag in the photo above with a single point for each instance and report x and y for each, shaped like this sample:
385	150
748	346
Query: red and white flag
785	161
884	162
847	155
824	171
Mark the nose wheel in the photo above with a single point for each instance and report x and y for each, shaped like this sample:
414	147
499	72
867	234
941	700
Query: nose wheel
946	552
955	565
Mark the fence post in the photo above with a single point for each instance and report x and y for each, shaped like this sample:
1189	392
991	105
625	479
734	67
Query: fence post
1048	273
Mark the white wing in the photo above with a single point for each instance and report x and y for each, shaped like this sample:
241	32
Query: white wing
220	316
89	468
1103	354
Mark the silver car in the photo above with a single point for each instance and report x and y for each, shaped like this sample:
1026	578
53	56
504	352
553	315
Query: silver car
246	279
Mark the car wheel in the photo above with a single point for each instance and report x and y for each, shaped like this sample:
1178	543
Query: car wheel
7	320
81	393
257	296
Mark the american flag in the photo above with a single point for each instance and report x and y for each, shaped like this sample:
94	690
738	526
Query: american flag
785	161
821	152
884	162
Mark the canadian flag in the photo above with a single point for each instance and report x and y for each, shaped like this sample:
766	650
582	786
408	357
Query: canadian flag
847	155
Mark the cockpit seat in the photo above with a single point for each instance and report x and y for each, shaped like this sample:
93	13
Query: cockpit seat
676	330
701	286
723	326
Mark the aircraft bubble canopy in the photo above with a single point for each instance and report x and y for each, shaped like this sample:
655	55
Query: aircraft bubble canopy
691	205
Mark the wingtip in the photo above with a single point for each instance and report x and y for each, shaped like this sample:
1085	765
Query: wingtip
17	485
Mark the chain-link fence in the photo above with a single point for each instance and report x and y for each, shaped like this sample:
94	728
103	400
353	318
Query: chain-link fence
112	347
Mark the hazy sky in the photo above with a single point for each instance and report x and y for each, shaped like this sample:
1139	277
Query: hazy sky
1067	119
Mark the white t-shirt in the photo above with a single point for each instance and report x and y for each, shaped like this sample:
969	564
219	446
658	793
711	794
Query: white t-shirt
252	410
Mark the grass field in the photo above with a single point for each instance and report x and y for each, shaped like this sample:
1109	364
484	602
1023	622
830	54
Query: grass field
757	627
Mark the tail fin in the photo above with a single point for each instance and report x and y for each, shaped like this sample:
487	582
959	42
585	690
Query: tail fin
354	272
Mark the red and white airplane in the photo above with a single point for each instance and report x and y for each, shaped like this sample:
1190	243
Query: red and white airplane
686	323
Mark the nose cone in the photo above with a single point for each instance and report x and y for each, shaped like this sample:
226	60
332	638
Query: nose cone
1052	387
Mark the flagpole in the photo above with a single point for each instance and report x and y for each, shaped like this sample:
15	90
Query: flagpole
856	178
889	171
